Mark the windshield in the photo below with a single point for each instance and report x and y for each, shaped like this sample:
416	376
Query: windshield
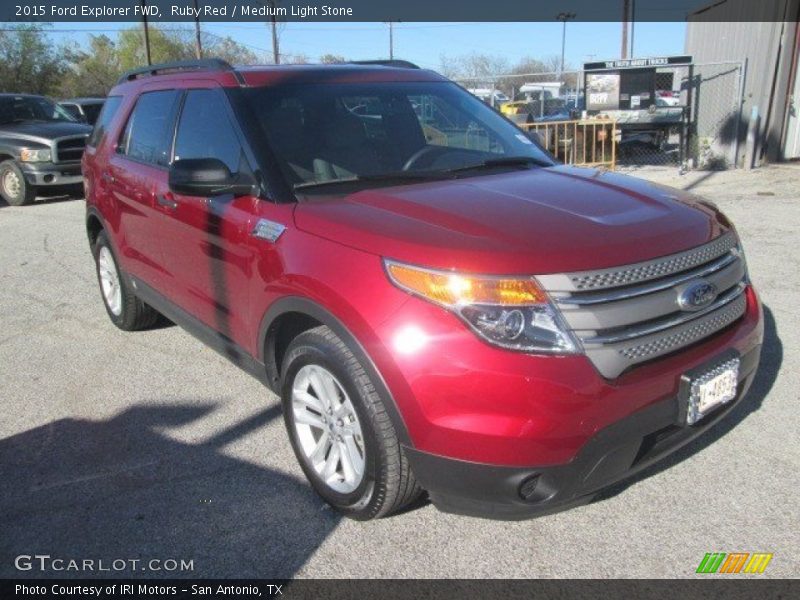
18	109
380	132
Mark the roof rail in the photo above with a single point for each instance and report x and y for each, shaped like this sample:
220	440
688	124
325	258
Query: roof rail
208	64
400	64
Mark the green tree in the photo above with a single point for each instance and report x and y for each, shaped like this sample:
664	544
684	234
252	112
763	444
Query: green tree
29	63
165	46
229	50
93	71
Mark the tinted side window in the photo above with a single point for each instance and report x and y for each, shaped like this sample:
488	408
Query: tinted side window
91	111
146	136
104	120
72	109
204	130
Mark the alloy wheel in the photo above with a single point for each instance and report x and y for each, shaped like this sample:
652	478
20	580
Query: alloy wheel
327	429
109	280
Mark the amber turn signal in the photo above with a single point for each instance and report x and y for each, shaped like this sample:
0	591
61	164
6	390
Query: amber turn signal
454	289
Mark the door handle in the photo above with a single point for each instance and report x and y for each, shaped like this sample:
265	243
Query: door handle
107	177
166	201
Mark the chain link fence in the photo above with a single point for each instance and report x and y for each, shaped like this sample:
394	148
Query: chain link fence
718	131
692	121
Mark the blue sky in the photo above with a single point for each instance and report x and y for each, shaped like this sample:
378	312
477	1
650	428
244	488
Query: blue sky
425	43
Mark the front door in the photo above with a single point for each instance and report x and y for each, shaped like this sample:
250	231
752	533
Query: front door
207	242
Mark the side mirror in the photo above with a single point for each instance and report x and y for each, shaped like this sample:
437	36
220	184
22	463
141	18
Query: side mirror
206	177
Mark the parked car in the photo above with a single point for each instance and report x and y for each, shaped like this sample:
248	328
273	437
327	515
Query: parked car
550	89
668	98
518	111
549	110
492	97
459	316
536	109
40	147
575	103
83	109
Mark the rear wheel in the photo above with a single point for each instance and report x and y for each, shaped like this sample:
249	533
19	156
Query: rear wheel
340	430
13	187
126	311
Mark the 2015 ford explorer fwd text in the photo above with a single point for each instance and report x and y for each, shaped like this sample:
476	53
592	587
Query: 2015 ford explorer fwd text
442	308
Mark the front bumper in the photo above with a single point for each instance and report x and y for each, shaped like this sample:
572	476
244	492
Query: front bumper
52	174
464	399
614	453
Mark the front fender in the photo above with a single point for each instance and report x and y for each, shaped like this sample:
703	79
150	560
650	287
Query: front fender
8	149
306	306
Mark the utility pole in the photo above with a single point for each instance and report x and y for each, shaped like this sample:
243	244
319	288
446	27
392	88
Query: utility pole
563	17
198	45
633	24
273	23
276	55
626	9
391	40
146	33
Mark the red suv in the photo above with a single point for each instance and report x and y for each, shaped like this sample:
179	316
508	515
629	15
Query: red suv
440	306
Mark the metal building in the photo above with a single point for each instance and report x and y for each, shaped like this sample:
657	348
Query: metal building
765	36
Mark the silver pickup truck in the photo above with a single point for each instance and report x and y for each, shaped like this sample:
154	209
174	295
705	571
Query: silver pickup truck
41	146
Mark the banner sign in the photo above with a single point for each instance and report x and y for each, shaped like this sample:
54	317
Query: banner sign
638	63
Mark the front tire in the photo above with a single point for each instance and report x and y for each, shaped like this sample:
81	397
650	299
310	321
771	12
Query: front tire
13	187
340	430
124	309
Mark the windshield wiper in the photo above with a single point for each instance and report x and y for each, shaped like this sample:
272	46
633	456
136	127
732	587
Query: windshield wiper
506	161
399	176
405	176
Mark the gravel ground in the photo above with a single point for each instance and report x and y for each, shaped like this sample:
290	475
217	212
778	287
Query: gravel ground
150	446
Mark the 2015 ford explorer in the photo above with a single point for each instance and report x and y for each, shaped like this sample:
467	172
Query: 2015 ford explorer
439	305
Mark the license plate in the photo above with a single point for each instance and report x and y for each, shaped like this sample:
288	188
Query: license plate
712	389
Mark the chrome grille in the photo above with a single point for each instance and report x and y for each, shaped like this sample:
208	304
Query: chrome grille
694	332
628	315
69	149
647	270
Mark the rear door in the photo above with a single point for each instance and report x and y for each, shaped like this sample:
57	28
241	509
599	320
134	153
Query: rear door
137	173
207	241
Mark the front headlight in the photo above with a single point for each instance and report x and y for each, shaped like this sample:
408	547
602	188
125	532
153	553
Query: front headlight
35	155
513	313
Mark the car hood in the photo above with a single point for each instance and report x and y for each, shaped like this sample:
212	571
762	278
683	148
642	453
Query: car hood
43	132
537	221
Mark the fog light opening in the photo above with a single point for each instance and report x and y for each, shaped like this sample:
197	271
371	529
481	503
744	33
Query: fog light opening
48	178
527	488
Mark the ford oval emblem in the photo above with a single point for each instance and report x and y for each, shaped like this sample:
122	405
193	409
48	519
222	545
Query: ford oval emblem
697	295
